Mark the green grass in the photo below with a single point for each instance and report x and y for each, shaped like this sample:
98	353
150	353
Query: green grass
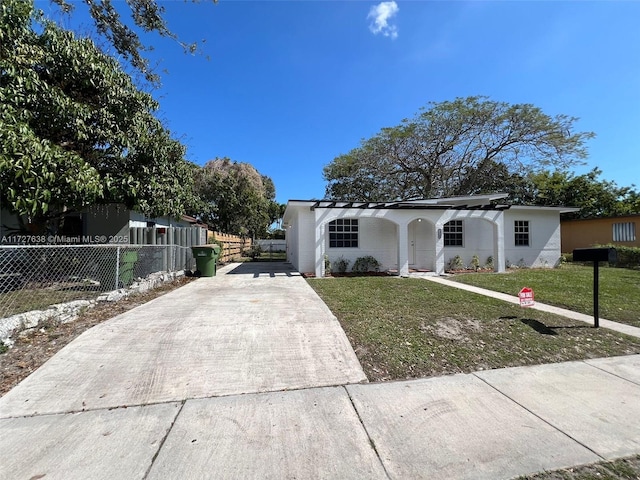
408	328
571	286
25	300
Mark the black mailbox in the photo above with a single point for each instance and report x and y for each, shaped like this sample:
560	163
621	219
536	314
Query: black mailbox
595	255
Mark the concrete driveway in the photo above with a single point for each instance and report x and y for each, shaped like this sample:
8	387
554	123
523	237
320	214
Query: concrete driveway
255	327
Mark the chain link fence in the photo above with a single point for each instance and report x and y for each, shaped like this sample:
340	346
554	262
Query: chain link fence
35	277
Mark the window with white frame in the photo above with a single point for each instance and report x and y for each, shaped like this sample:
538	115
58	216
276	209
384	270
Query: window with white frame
453	233
624	232
343	232
521	231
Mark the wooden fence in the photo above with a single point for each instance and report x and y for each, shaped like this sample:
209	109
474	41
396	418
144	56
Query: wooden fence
232	245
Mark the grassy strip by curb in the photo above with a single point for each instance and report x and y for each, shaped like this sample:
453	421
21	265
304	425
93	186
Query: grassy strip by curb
410	328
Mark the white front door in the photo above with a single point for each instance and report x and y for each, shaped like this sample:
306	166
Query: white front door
412	244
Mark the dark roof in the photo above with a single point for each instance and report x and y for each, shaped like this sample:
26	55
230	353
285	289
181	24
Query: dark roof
402	205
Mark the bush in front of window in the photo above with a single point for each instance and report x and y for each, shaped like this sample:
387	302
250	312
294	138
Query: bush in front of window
456	263
341	264
366	264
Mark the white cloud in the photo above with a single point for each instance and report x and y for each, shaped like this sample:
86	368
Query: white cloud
380	15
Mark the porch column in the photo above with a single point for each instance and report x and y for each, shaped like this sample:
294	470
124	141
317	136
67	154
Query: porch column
319	250
403	250
498	244
439	236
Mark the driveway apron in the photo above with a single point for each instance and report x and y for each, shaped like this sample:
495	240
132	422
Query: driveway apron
252	328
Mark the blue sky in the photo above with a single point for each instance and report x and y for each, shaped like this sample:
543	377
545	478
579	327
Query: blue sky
290	85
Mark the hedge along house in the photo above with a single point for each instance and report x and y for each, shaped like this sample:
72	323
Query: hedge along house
423	235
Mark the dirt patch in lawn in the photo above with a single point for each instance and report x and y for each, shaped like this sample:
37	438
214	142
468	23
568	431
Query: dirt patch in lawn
33	349
452	329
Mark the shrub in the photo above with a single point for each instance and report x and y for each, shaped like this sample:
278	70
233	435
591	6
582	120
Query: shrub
489	264
341	264
456	263
475	262
253	252
628	257
327	265
566	258
366	264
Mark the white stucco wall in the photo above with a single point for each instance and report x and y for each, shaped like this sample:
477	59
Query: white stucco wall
377	238
300	237
386	234
544	238
477	240
401	239
291	237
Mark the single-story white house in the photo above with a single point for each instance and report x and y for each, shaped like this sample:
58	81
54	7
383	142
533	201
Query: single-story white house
423	235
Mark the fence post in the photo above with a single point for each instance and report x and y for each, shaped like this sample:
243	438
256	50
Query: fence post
117	266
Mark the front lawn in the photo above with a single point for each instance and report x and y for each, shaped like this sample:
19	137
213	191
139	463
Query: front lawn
571	287
408	328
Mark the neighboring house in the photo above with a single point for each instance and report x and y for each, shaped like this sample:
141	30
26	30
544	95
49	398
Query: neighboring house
117	224
583	233
422	234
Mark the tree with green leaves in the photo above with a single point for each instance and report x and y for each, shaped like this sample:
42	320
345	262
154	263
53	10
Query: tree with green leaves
594	197
236	198
466	146
75	130
147	15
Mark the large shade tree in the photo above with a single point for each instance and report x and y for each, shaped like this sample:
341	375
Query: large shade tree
75	130
122	33
236	198
466	146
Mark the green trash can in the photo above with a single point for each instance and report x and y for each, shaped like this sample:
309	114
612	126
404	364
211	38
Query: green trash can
206	257
128	261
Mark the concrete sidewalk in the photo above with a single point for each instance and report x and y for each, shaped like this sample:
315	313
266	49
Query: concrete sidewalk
249	375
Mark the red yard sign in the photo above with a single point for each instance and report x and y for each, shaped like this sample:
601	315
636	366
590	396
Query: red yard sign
526	297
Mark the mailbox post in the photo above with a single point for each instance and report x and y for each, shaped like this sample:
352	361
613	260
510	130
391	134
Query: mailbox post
595	255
